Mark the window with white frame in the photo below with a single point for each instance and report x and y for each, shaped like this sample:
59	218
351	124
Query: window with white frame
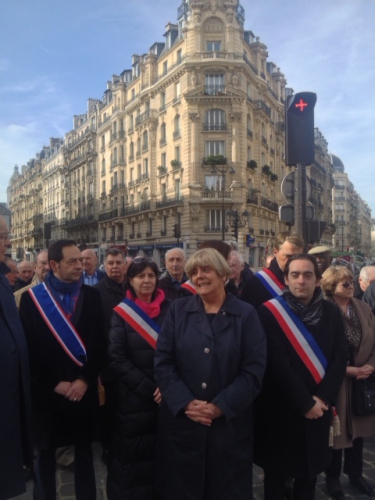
215	119
214	83
214	148
213	46
214	220
214	182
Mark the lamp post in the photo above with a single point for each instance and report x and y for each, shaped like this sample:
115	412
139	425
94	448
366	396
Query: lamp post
237	220
223	171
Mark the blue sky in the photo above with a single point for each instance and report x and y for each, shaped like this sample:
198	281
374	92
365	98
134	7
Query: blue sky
55	54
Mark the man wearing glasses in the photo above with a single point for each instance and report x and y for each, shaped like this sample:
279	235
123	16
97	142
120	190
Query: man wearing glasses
15	408
64	328
13	273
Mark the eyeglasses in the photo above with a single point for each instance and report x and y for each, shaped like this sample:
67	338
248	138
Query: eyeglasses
140	259
5	236
347	284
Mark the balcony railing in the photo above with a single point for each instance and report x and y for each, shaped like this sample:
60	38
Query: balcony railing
215	126
211	194
271	205
214	89
167	202
214	229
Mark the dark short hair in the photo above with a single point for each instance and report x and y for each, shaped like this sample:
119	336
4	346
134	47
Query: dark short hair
55	251
136	268
223	248
303	256
114	252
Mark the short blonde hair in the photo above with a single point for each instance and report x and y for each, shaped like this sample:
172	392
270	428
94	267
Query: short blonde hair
332	277
208	257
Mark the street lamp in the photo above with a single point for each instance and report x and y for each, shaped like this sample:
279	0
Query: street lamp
223	172
237	220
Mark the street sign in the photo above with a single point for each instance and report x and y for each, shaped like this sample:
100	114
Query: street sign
286	213
300	147
288	189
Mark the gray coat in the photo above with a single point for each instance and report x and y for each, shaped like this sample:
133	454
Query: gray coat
15	408
220	362
351	425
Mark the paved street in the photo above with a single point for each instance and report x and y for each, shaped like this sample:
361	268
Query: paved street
66	486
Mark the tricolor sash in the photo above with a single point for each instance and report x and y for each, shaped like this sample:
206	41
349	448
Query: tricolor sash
299	336
138	319
189	286
61	327
271	283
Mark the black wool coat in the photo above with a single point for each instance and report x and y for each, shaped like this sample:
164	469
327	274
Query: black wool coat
15	402
111	293
254	292
132	449
221	362
286	442
58	421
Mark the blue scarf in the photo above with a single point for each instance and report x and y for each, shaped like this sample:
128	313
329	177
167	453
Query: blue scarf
69	291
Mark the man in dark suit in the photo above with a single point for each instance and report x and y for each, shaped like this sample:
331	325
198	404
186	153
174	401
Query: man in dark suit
91	275
15	408
64	327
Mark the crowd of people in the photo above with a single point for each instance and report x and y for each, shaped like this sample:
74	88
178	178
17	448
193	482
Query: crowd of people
187	378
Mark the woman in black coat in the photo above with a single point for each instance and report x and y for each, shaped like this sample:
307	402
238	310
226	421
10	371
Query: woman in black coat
136	400
209	363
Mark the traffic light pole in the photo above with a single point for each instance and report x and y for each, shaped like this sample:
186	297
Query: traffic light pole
300	201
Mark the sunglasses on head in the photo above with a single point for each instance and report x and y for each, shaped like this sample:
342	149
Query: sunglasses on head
347	284
140	259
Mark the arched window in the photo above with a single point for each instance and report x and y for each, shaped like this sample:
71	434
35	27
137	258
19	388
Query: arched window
215	120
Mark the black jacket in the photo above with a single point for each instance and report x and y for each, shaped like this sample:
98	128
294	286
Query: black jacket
132	450
58	421
286	442
254	292
15	408
21	284
171	293
111	293
369	297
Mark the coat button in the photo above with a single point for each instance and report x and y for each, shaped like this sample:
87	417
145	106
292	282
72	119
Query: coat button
206	350
204	385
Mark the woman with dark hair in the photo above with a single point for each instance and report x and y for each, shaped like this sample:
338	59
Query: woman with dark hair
134	330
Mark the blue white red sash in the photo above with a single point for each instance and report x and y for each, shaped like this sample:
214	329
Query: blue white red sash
189	286
138	319
301	339
271	283
61	327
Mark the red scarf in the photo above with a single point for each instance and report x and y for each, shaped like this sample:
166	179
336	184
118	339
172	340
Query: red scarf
152	309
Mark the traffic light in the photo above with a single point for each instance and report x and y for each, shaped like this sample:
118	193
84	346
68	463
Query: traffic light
177	231
300	128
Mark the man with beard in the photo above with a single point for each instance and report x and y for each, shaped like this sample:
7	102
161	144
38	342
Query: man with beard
63	323
323	256
306	363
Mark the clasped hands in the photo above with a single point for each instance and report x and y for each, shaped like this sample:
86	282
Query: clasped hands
202	412
359	372
74	391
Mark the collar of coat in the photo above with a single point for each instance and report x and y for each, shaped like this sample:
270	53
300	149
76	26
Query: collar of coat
231	304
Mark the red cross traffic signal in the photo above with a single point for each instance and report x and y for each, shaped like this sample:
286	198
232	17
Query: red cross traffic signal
300	128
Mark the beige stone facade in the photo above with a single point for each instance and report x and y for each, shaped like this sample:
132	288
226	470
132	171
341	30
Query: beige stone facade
193	129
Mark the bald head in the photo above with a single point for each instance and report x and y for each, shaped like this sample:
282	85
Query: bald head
41	265
25	270
90	261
